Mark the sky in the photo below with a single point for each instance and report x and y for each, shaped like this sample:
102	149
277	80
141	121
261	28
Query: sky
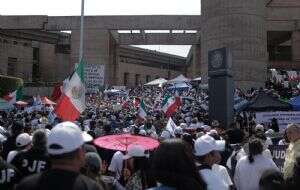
108	7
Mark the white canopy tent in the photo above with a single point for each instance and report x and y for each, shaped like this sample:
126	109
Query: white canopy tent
159	82
179	79
197	79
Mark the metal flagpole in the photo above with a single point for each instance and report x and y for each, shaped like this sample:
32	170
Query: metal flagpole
81	31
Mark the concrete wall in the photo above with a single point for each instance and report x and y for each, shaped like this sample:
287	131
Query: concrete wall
22	51
42	91
296	46
194	70
241	27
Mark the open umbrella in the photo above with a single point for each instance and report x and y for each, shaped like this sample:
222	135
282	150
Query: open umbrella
21	103
121	142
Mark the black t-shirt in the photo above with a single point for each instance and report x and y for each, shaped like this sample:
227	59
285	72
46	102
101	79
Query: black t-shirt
31	162
9	176
58	180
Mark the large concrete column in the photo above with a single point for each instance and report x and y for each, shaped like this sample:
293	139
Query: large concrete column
296	45
239	25
97	49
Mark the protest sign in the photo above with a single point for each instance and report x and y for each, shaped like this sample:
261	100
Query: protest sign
283	118
278	153
94	77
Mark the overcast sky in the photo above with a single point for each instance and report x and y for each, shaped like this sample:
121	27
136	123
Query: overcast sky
106	7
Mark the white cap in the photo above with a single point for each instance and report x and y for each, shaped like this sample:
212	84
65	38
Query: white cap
270	132
65	137
23	139
183	125
205	144
87	137
178	131
135	151
259	128
206	127
142	132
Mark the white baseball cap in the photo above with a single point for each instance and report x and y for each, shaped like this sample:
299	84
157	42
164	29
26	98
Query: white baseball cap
178	130
23	140
87	137
64	138
135	151
259	127
205	144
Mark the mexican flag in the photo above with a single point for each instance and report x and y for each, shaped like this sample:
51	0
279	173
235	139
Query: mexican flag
14	96
170	105
142	110
72	102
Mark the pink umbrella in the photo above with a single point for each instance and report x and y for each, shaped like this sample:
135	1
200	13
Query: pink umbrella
121	142
21	103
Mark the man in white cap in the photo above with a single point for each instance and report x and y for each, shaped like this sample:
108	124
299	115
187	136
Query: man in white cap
35	159
23	142
207	154
67	156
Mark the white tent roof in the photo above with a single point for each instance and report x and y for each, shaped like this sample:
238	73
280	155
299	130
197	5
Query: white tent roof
197	79
180	78
158	81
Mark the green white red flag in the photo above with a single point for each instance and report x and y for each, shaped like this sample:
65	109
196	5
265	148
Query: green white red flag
142	113
14	96
170	105
72	102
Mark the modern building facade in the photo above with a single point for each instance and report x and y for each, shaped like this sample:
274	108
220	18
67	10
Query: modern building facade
260	34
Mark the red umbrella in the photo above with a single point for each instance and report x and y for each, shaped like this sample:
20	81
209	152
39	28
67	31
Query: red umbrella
121	142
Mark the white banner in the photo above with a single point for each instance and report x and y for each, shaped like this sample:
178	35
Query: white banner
94	77
283	118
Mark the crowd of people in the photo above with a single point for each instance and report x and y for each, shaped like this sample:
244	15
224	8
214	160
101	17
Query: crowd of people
42	152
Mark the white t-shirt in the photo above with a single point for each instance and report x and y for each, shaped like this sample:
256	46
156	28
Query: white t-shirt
213	180
247	175
223	173
116	164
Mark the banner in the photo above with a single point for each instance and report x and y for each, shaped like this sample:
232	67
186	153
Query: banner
278	153
283	118
94	77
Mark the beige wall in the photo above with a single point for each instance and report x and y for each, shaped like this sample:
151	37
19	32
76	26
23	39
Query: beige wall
22	51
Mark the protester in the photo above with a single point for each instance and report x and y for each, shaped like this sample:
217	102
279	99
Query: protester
67	158
35	159
116	165
272	180
136	168
293	135
10	144
92	168
173	167
9	175
250	168
23	143
207	154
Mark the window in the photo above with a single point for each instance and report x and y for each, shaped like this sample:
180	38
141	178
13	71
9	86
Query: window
137	79
126	77
148	78
35	65
11	66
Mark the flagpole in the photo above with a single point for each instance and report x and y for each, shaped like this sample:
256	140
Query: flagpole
81	31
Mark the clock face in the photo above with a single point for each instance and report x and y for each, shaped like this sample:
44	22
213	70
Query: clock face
217	60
